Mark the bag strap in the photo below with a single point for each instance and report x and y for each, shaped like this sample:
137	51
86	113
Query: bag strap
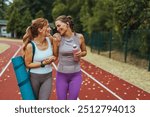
33	51
27	79
23	82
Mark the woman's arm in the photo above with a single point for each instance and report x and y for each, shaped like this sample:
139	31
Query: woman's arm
28	58
83	46
83	51
56	42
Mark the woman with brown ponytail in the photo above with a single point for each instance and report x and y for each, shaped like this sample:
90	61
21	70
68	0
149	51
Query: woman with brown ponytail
68	78
40	68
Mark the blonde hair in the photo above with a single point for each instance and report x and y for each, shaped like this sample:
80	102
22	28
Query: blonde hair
32	30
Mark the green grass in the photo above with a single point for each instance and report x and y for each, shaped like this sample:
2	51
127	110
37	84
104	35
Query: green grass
3	47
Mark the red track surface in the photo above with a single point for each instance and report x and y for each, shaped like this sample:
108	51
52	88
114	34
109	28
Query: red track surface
102	86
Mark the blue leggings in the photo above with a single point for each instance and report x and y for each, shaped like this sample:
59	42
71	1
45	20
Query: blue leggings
68	85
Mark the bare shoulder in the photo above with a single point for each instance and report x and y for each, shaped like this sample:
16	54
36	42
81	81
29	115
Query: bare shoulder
29	47
57	37
81	37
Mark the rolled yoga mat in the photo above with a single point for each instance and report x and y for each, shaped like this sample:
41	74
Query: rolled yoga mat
23	78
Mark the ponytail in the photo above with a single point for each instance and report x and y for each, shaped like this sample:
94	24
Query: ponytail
27	38
32	31
71	23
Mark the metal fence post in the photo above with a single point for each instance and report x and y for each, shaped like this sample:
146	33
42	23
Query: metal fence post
149	63
126	45
110	43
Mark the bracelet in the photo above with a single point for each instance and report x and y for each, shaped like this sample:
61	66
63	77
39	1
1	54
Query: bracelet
42	65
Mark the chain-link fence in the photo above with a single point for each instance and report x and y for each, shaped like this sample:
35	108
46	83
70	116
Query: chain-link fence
131	46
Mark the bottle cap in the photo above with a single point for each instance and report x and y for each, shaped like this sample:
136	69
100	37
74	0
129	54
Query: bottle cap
74	45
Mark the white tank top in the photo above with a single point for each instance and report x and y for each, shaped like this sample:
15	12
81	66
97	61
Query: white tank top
39	56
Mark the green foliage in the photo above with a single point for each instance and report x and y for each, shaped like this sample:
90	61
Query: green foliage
3	8
12	25
14	17
96	16
58	9
25	21
21	12
39	14
89	16
85	17
131	14
68	7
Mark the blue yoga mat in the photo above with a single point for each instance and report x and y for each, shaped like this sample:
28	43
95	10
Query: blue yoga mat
23	79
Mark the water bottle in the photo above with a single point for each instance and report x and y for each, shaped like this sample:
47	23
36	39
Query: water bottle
75	50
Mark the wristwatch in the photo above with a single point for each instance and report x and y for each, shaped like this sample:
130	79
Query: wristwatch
42	65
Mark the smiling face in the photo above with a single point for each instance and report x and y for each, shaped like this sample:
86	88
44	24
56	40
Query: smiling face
46	30
61	27
40	26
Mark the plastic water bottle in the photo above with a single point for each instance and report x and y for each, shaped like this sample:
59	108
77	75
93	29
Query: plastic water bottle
75	50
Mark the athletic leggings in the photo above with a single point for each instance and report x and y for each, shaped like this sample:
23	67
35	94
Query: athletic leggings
68	85
41	84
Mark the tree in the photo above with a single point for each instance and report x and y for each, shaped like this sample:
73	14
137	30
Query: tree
21	12
25	21
96	16
39	14
59	8
130	14
3	8
37	5
14	18
14	23
68	7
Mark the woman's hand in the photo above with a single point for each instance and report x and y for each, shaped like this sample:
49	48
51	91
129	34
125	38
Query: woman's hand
49	60
57	37
78	54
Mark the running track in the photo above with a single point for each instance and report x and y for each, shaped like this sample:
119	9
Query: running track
97	84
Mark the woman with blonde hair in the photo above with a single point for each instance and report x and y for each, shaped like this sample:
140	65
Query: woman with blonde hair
40	65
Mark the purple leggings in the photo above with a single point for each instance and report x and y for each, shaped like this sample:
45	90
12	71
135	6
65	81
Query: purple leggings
68	85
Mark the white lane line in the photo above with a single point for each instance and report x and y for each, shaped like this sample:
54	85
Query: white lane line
54	65
101	85
9	62
96	82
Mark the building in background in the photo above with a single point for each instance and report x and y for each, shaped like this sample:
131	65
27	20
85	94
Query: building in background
3	29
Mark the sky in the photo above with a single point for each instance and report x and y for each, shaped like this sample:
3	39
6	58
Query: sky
9	1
